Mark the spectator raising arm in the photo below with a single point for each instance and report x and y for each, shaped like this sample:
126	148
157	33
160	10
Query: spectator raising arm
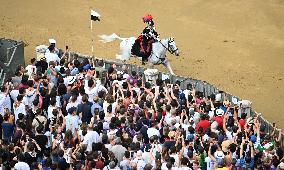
228	133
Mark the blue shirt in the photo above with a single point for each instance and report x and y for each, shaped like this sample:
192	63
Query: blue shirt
8	129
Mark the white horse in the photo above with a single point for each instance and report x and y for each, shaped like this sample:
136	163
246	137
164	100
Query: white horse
158	54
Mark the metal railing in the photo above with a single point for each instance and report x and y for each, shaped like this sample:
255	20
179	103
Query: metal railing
199	85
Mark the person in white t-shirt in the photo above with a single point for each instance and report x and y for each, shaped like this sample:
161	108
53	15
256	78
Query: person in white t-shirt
52	56
50	108
19	107
72	120
90	138
153	131
90	89
5	101
72	103
31	68
21	165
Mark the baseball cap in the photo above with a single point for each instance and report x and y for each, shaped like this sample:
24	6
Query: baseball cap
253	138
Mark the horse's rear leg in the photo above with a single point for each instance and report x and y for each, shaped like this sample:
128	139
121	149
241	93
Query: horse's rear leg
168	66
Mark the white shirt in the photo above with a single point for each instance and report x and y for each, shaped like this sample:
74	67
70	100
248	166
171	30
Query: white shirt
152	132
111	133
140	163
58	103
79	98
52	57
90	138
31	69
108	117
48	135
169	118
5	102
99	87
176	159
71	104
49	112
59	67
21	166
29	97
20	109
14	94
113	107
210	163
229	135
90	92
74	121
66	80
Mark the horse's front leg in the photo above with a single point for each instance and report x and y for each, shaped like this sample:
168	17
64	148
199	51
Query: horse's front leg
166	63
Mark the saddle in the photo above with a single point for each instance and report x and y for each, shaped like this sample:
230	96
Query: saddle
142	47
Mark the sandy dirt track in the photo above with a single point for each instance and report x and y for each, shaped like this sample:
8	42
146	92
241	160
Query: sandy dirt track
237	45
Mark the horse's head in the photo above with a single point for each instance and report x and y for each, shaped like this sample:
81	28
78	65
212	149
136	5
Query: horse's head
172	47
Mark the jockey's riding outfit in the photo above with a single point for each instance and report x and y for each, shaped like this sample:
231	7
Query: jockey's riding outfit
145	40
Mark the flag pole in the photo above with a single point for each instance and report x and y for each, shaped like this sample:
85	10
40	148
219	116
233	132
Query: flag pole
92	37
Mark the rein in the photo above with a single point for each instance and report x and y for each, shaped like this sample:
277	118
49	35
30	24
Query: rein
168	48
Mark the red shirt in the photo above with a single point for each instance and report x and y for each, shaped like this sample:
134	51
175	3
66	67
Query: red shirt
204	124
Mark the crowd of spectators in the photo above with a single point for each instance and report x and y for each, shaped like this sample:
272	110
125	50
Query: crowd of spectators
62	113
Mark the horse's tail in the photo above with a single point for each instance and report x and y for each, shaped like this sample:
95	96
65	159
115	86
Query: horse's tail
109	38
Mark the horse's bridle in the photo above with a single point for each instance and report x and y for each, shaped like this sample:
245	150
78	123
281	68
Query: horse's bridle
168	48
172	51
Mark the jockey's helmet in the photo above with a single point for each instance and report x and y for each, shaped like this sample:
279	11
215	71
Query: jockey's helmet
147	18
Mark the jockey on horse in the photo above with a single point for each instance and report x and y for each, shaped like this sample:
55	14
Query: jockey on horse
143	44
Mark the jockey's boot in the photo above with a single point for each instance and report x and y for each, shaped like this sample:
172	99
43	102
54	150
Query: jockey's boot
144	59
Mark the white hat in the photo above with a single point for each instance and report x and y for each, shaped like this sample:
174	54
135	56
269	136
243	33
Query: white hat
219	112
52	41
71	79
219	155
